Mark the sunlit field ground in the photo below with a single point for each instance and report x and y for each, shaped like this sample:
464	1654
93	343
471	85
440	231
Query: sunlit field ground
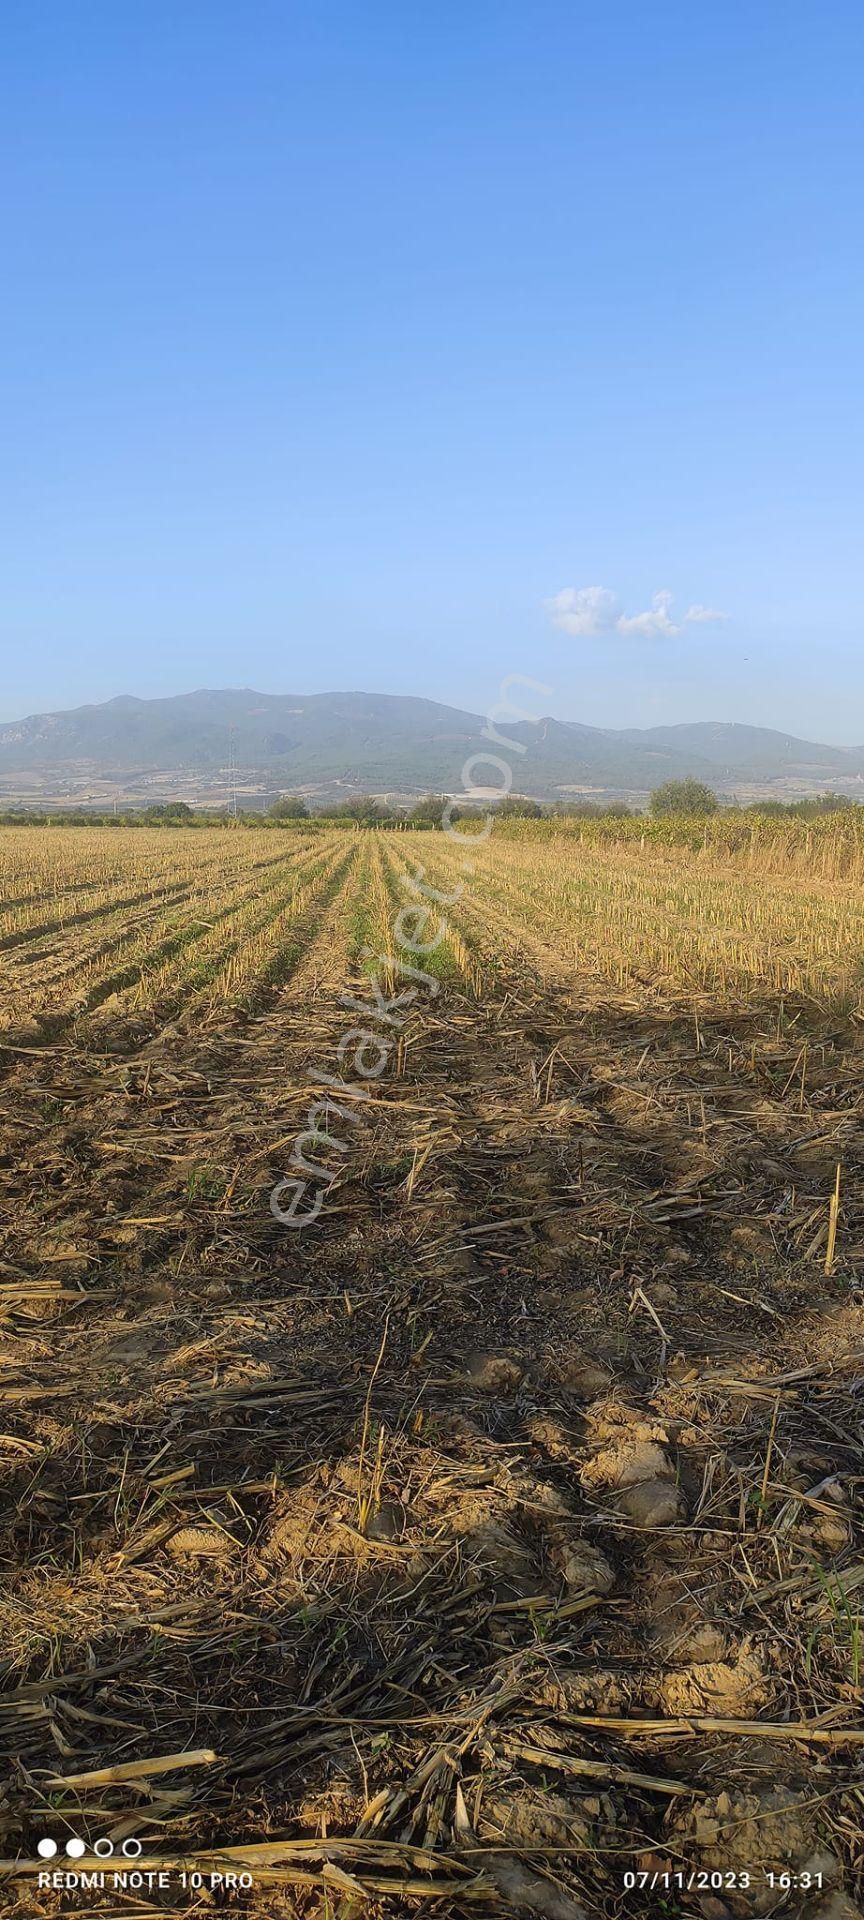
498	1534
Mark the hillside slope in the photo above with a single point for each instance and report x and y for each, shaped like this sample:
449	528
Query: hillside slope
393	742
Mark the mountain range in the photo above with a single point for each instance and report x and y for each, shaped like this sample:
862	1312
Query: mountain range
338	743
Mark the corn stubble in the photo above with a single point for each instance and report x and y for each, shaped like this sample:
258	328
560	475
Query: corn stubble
497	1535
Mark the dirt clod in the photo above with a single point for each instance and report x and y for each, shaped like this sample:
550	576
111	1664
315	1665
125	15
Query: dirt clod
587	1378
584	1569
495	1372
201	1543
652	1503
735	1689
774	1829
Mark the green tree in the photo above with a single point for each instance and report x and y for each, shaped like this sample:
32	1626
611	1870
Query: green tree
833	803
173	812
577	809
289	806
365	810
427	811
684	796
516	807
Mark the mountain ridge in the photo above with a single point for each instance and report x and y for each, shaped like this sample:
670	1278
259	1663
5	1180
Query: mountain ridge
398	742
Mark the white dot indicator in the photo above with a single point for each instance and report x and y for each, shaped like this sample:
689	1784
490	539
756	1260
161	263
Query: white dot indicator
75	1848
47	1849
104	1848
133	1849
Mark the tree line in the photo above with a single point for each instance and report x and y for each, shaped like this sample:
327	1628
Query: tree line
691	799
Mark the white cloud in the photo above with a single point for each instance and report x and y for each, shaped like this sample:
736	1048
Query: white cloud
701	616
657	619
584	610
588	612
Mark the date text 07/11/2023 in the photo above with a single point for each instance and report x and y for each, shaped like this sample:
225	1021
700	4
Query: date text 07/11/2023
718	1880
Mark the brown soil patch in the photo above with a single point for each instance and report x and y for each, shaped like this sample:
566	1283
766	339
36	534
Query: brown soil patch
469	1504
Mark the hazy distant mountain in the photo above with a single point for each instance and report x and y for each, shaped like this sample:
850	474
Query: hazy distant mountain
386	742
737	750
302	735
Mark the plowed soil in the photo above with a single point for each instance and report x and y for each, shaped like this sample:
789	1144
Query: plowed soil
496	1537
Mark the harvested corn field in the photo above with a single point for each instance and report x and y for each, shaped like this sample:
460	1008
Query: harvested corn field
491	1544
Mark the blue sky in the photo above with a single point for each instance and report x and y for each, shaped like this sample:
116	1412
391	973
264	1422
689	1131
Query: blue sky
338	341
